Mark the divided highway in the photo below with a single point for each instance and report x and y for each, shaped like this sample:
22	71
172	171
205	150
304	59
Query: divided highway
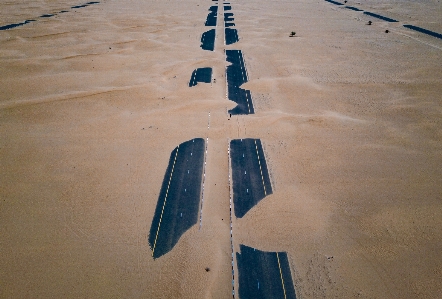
261	274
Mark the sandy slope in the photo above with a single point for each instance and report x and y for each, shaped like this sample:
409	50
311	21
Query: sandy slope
92	103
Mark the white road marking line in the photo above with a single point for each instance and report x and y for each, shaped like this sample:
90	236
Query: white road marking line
231	222
204	180
280	272
260	169
164	204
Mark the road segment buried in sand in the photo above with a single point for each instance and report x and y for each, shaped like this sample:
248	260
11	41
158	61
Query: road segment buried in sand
179	200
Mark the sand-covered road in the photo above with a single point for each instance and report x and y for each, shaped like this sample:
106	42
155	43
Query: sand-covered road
94	100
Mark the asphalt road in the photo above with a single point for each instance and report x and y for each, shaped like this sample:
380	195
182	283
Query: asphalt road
179	198
334	2
10	26
231	35
201	75
208	40
211	17
251	182
379	17
264	274
237	75
422	30
228	17
353	8
415	28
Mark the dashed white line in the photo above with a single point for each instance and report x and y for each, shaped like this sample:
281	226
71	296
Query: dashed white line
280	272
231	221
204	180
260	169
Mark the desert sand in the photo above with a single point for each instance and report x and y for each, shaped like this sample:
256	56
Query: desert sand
93	101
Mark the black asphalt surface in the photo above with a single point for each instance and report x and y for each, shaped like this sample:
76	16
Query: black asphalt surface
208	40
422	30
353	8
231	35
201	75
334	2
379	16
236	76
10	26
211	17
179	198
251	182
14	25
419	29
261	275
228	17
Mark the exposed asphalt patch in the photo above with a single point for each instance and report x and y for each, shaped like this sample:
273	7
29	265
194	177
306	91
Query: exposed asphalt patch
353	8
236	75
251	182
14	25
211	17
179	198
264	274
425	31
228	17
208	40
334	2
201	75
10	26
231	35
379	16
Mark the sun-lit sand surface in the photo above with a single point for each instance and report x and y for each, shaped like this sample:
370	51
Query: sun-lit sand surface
93	101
